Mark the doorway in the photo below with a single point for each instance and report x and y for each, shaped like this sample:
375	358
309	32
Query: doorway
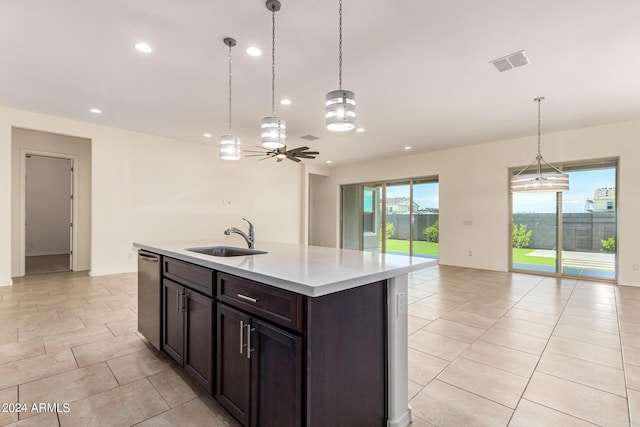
48	210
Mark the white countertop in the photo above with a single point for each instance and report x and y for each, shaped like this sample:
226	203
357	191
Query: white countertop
308	270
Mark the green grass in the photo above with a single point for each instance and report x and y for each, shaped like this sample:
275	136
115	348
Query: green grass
520	255
419	247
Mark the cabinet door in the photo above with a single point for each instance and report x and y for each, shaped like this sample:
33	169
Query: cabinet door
198	357
233	381
276	396
173	320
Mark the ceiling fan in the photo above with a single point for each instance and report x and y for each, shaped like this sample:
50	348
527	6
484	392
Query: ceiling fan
294	154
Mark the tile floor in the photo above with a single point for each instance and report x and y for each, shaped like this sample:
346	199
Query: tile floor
485	348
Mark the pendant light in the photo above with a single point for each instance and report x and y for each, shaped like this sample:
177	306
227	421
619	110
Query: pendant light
229	144
340	105
273	128
539	182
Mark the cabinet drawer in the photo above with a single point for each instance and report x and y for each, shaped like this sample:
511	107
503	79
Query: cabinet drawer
279	306
193	276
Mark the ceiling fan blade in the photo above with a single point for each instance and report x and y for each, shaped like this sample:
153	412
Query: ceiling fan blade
295	159
255	155
297	150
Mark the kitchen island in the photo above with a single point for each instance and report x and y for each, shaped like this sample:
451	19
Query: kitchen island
299	335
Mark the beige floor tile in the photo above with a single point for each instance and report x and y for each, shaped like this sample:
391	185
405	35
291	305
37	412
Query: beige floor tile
581	371
444	405
634	406
8	334
29	320
121	406
439	303
514	340
525	327
69	386
425	311
590	336
443	347
630	340
632	374
138	365
458	331
417	422
553	310
578	400
504	358
485	381
8	414
590	323
102	317
470	319
631	355
532	316
174	388
191	414
21	350
43	419
106	349
531	414
215	407
414	389
92	309
585	351
483	310
424	367
51	328
632	328
591	314
34	368
416	323
67	340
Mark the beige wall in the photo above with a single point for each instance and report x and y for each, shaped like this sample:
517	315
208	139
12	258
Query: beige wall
474	186
149	188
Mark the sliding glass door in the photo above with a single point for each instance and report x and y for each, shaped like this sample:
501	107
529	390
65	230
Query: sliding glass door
392	217
582	222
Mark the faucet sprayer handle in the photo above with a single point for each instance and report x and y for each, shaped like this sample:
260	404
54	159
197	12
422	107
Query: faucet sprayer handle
250	225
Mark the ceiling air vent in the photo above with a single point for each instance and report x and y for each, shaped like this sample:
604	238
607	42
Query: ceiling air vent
309	137
508	62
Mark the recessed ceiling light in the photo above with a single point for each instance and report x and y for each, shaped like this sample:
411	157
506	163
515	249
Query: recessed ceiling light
329	161
285	102
253	51
360	130
407	148
95	111
143	47
207	135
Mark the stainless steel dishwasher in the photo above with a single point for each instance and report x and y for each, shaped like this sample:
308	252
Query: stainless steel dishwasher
149	297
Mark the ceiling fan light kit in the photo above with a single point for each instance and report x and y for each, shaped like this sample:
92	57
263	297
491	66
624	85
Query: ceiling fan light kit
340	105
229	144
538	182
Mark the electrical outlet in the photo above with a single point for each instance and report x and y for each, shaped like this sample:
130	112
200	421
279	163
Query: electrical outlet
470	253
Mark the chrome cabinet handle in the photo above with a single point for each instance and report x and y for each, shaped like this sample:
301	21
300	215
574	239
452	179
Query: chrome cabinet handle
241	335
185	301
249	349
178	295
246	298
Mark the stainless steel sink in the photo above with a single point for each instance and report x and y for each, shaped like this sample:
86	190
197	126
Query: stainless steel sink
225	251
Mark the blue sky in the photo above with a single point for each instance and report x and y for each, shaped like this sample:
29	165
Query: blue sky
582	185
425	195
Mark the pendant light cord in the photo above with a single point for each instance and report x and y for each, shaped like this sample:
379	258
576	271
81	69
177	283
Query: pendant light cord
340	47
273	61
230	123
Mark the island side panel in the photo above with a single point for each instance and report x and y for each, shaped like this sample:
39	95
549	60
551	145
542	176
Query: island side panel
347	358
399	410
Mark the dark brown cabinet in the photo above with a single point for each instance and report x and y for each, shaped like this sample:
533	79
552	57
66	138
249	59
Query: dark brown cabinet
259	370
188	318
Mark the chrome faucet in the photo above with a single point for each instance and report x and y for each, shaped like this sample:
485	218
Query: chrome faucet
250	239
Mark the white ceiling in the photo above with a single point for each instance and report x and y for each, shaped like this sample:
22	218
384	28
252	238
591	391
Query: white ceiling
420	68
